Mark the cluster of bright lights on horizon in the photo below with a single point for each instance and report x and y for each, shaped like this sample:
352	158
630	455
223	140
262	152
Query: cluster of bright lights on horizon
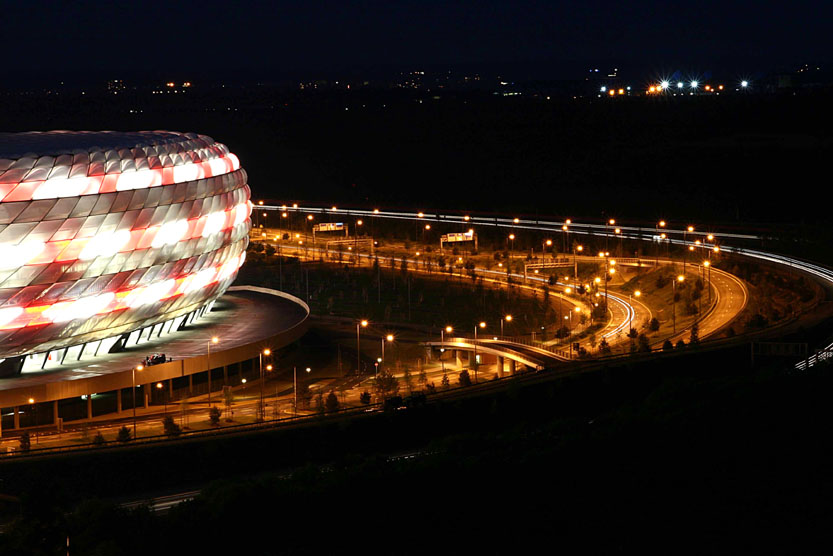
108	244
108	302
54	188
664	85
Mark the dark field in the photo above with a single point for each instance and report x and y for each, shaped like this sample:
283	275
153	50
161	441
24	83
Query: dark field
731	162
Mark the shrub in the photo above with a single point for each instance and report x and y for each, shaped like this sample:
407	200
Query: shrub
124	435
172	429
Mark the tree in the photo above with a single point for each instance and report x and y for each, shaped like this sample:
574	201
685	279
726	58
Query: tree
124	435
364	397
171	428
632	333
331	405
653	326
98	440
214	416
644	343
667	345
465	379
445	383
386	385
680	344
604	347
319	403
25	442
694	338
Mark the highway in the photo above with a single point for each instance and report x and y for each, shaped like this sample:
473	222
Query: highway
679	237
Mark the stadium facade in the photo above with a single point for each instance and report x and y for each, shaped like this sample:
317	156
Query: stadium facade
108	236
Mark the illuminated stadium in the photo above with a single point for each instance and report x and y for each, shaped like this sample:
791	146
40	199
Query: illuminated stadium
106	237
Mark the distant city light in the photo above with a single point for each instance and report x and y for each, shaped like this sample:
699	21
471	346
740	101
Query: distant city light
664	85
744	83
603	89
679	84
694	84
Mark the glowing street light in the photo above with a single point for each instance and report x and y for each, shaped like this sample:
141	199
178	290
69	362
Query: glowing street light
359	325
212	340
679	279
267	352
744	83
133	392
507	318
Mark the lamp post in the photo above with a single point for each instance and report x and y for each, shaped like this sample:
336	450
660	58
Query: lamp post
359	325
388	338
295	387
213	340
680	279
448	329
708	266
133	392
507	318
688	229
547	243
512	247
637	293
34	417
159	386
479	325
660	224
267	352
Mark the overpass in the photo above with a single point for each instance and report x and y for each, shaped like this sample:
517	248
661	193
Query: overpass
504	351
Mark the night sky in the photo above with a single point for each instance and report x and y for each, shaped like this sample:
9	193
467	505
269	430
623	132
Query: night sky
274	39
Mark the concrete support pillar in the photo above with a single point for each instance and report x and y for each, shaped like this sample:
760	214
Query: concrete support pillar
16	417
145	392
190	385
89	406
511	366
500	364
457	358
118	400
171	389
225	375
55	415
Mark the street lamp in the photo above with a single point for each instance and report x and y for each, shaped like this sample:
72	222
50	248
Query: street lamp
479	325
688	230
637	293
159	386
212	340
512	246
359	325
507	318
448	329
267	352
133	392
680	279
547	243
708	266
388	338
295	387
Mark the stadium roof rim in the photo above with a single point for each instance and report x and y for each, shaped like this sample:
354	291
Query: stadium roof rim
60	142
